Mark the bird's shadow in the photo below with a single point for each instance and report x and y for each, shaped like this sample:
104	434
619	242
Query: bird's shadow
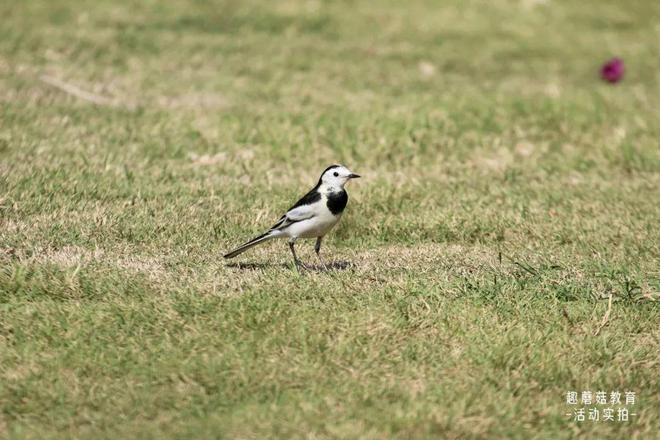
329	267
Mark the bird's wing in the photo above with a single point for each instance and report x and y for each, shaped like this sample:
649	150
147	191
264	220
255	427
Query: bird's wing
302	210
299	213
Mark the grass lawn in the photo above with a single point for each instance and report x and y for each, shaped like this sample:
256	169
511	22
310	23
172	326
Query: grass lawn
507	194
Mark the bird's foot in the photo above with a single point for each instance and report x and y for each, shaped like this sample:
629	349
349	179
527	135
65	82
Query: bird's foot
301	265
323	266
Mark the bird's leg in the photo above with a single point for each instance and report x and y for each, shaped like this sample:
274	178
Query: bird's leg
295	258
317	248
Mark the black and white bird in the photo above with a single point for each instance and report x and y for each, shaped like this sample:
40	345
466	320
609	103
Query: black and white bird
312	216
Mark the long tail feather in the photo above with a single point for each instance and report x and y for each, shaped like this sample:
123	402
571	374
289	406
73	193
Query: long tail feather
255	241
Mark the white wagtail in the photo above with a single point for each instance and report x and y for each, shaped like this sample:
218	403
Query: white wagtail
312	216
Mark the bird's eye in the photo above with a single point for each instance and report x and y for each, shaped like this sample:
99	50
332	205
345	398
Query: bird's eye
336	174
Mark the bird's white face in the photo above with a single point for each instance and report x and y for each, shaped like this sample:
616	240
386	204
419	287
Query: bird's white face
336	176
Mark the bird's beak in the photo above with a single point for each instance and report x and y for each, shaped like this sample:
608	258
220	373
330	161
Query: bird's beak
353	176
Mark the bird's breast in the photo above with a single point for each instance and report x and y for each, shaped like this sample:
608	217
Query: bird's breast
336	202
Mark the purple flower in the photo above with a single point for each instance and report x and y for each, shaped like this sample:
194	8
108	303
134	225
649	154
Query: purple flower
613	70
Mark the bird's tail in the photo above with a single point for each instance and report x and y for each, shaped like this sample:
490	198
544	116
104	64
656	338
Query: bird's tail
255	241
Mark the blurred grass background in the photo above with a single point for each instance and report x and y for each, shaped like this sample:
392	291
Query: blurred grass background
507	193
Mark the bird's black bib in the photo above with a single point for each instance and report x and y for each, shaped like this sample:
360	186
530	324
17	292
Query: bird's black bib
337	202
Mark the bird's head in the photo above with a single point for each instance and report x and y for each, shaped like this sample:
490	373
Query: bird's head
336	176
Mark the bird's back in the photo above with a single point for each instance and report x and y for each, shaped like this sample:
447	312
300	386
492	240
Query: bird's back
312	196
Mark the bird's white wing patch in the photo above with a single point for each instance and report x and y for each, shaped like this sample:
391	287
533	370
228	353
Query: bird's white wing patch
297	214
301	213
